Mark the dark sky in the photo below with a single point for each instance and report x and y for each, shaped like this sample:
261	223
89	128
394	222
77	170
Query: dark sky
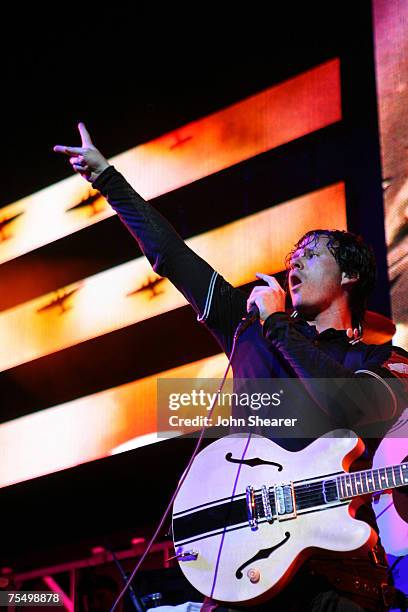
132	75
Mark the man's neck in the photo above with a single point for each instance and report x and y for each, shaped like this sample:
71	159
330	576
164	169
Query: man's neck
337	316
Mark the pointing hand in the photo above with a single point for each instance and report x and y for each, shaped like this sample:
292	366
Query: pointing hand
86	159
269	299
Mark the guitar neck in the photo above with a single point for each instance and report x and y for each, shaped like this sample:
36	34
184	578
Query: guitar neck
372	481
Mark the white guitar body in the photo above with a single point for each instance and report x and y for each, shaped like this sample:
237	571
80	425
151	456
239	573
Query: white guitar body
392	519
211	560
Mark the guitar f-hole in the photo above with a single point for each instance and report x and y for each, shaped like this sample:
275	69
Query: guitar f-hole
261	554
253	462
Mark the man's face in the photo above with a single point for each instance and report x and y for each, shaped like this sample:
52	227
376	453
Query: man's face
315	279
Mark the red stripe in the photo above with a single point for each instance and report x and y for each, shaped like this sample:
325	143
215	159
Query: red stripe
397	360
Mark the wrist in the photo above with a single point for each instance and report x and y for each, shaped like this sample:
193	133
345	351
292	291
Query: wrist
98	171
273	322
99	181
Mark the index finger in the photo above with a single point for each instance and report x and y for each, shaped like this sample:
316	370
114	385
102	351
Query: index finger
68	150
85	137
271	280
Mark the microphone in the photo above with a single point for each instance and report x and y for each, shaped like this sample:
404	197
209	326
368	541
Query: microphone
246	321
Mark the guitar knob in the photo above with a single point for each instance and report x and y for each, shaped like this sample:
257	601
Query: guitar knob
254	575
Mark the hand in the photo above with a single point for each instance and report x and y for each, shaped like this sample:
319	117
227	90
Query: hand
269	299
86	159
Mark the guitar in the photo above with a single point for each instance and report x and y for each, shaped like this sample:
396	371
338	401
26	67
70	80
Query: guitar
250	512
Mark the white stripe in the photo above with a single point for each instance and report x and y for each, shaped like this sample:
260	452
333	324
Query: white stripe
209	298
385	383
402	368
208	301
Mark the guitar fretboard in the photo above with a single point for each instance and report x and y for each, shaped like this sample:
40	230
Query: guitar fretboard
372	481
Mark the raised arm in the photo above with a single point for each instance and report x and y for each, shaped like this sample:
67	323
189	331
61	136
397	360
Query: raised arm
214	300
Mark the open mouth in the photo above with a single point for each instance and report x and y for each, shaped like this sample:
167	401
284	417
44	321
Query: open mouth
295	281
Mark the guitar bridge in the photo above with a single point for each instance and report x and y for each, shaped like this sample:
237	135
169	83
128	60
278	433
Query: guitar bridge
251	508
266	503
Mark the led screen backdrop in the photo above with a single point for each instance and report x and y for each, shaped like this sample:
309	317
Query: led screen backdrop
92	427
262	122
390	19
69	325
132	292
391	50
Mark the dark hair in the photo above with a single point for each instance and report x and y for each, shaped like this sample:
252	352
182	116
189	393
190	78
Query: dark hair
354	257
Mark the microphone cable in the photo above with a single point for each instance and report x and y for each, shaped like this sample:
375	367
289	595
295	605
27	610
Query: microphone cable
237	333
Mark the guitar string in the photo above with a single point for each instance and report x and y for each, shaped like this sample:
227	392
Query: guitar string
318	488
318	492
316	497
355	485
318	485
309	498
315	491
313	494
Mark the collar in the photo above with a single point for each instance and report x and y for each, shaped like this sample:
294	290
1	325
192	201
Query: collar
311	332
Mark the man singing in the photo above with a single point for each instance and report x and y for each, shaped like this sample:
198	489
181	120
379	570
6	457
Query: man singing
330	275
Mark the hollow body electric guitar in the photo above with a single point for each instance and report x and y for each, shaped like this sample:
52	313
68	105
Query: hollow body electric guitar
250	512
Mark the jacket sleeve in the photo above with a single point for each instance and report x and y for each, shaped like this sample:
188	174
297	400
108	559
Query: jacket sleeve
215	301
375	390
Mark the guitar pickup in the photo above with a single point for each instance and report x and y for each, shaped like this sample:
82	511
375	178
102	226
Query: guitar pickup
284	501
329	490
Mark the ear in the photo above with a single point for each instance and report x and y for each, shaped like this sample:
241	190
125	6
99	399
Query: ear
348	280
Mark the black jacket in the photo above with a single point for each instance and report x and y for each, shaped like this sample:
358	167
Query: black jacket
285	347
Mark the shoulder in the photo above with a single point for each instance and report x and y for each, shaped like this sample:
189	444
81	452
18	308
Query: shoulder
393	358
391	364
